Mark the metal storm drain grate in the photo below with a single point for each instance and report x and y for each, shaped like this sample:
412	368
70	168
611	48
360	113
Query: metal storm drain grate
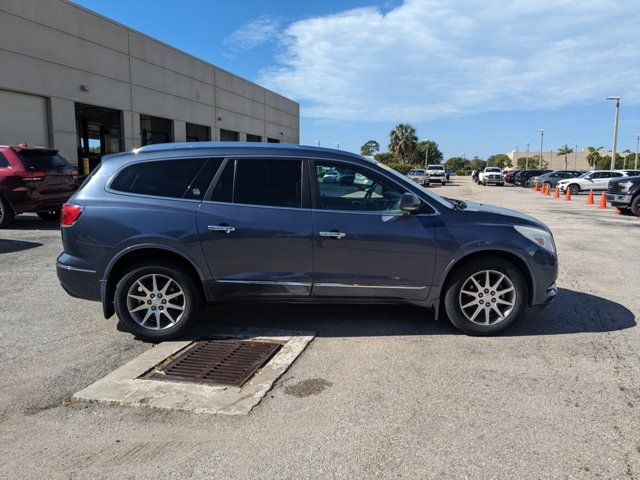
220	362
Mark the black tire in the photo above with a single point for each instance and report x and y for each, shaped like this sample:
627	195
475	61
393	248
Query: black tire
192	301
50	215
452	294
6	213
635	206
574	188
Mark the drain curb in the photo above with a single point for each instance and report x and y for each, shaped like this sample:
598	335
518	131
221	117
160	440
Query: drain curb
123	387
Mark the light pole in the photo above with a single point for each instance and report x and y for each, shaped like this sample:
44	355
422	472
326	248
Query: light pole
317	142
516	157
615	132
541	130
575	156
526	161
337	146
637	147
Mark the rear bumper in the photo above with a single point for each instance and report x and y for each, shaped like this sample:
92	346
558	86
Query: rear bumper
78	282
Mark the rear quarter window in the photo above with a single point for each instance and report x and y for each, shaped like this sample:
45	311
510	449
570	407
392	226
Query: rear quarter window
179	178
4	163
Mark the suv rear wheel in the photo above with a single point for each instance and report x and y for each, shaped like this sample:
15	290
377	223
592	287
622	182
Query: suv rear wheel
157	301
6	213
485	296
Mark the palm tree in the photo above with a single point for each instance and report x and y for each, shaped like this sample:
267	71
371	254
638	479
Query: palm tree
565	150
593	155
402	141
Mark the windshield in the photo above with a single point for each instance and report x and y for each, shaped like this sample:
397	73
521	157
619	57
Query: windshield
403	180
435	167
585	174
416	172
35	160
493	169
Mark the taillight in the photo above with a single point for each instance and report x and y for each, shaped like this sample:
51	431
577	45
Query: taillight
32	176
74	174
69	214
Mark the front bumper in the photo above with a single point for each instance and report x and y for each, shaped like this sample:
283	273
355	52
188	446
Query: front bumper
438	179
618	199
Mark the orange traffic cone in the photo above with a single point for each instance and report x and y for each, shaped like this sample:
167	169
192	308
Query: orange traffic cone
567	195
535	185
590	200
556	192
603	201
547	191
543	189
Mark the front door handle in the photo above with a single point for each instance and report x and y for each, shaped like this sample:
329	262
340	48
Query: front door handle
221	228
333	234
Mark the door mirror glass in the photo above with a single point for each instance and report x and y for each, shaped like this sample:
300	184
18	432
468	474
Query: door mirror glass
409	203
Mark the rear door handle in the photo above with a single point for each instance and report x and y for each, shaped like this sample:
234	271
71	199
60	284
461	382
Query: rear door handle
221	228
333	234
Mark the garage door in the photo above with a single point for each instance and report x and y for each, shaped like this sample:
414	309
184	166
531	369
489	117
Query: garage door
23	118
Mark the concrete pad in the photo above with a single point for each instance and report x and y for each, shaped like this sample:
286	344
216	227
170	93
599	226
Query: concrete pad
125	387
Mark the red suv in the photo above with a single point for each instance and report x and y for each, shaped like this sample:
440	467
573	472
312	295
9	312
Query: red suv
34	179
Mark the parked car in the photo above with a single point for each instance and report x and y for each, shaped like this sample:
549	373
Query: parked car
523	177
155	232
418	175
33	179
597	181
552	178
624	193
491	175
508	177
437	173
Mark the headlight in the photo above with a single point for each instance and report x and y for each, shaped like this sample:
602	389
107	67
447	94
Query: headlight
625	186
542	238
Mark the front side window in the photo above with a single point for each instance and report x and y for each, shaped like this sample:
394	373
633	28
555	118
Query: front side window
350	188
181	178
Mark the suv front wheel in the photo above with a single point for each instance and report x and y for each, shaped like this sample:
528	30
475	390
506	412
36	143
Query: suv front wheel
485	296
157	301
6	214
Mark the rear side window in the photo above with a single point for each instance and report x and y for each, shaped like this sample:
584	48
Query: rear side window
268	182
4	163
42	161
184	178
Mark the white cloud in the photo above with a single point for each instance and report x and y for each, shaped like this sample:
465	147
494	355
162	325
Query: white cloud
429	59
254	33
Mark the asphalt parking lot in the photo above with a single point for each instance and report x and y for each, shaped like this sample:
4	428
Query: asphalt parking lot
382	391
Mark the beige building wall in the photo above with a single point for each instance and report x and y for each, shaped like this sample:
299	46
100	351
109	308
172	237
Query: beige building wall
575	161
64	53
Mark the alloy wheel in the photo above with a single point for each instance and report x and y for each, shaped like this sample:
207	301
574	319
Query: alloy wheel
487	297
156	302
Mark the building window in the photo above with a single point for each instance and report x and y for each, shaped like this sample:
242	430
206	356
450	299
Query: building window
253	138
229	136
273	140
155	130
198	133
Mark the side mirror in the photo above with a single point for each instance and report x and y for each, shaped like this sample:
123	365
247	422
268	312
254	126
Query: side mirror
410	203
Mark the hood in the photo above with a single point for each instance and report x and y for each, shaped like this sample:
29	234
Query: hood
495	214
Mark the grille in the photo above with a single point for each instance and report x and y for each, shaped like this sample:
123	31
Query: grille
219	362
613	188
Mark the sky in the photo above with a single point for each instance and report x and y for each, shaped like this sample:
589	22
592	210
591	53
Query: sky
477	76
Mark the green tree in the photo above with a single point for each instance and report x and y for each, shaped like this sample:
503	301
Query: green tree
402	141
369	148
477	163
604	162
565	150
501	160
426	149
593	155
385	157
457	164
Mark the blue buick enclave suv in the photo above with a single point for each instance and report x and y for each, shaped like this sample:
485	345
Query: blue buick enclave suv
156	232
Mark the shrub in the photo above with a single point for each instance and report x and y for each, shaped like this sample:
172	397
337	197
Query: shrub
402	168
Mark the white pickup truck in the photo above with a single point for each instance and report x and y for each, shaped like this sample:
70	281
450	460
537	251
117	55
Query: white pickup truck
491	175
436	173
